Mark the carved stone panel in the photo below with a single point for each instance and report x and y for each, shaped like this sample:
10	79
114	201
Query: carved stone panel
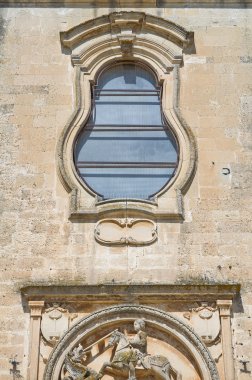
126	231
55	322
205	321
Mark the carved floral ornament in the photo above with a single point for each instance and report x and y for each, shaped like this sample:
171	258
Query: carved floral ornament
172	347
147	40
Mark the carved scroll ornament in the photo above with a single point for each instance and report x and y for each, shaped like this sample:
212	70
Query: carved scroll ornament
126	231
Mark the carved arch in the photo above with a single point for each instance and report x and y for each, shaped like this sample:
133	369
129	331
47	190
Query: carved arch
143	38
108	318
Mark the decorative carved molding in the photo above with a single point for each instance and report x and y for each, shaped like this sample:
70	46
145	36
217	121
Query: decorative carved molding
167	322
126	231
165	37
158	44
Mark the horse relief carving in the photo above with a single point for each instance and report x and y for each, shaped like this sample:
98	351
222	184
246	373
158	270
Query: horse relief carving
130	359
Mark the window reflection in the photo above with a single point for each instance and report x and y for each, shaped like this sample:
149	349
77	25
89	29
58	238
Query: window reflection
126	150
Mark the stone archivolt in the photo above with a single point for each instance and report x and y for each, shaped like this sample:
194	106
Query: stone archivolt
132	37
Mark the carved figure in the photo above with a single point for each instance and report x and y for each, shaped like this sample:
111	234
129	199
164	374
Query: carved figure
132	353
74	367
139	342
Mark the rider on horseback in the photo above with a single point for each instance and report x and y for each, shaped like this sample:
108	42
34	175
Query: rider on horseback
139	342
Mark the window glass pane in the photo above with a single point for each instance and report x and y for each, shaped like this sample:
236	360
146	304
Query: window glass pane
126	146
126	150
127	77
144	110
127	183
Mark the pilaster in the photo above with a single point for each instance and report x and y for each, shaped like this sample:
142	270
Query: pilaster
227	347
36	308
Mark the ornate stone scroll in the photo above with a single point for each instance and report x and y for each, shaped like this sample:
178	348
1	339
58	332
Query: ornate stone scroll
125	231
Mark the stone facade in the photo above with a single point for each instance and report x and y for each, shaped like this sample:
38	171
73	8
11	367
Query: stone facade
51	263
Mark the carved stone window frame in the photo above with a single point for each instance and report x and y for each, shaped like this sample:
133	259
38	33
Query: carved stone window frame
132	37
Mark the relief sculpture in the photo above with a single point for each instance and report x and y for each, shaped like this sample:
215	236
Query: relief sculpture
206	322
130	359
75	367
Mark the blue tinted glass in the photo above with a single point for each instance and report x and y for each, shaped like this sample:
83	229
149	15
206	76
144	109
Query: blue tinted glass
126	150
127	182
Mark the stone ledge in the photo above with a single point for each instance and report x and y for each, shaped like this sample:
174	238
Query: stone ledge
147	294
127	3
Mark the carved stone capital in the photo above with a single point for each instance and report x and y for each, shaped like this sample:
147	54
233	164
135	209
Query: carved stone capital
36	308
224	307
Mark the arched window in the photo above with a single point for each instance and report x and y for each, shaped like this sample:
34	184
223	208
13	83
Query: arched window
126	149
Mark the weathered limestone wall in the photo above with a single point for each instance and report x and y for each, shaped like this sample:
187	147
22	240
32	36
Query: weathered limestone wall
42	247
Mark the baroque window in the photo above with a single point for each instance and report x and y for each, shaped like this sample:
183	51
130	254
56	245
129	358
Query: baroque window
127	152
126	149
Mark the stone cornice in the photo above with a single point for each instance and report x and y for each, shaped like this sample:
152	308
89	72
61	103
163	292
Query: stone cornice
146	294
127	3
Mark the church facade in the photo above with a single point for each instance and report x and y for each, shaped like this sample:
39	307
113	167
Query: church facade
126	177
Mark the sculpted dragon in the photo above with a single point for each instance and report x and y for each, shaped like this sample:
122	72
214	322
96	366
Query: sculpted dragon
74	367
